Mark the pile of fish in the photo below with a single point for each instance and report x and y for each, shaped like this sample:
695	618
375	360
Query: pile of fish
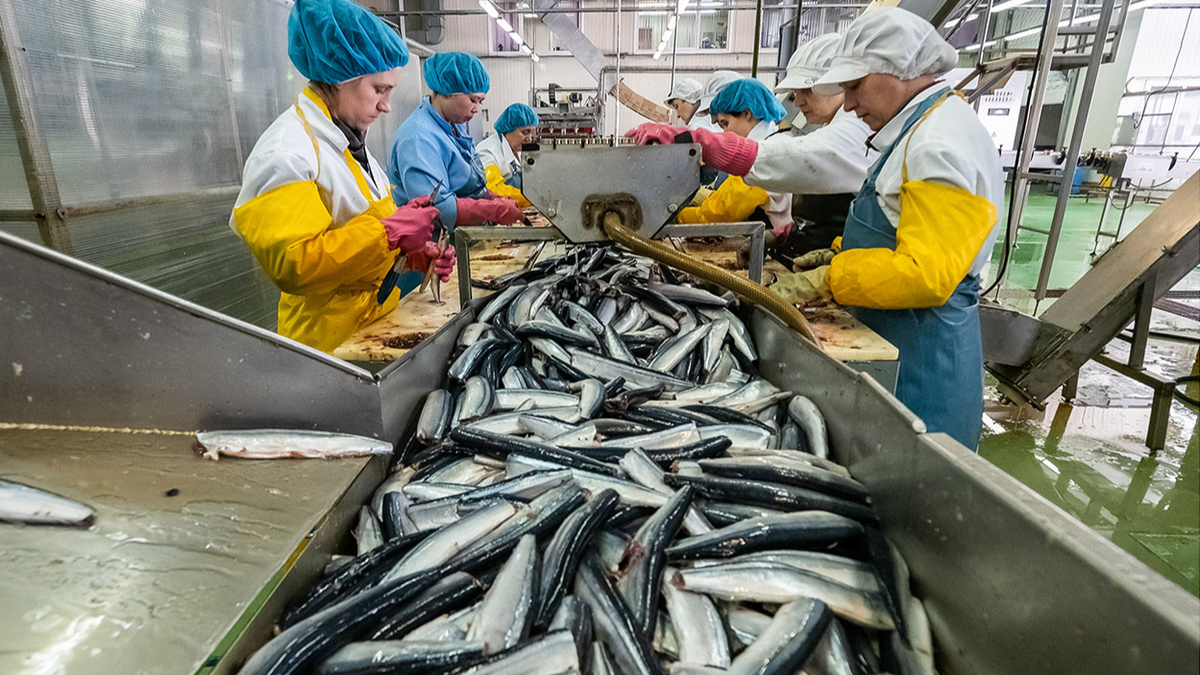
606	486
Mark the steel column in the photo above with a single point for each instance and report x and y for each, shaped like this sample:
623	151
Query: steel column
31	140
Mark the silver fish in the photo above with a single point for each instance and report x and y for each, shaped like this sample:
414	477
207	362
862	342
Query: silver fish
442	545
672	437
360	657
369	534
511	399
698	629
591	397
287	444
473	333
812	423
671	357
788	641
477	399
504	618
646	472
24	504
441	629
846	571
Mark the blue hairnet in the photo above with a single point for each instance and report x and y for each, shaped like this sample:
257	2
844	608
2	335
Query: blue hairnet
449	73
334	41
514	117
748	94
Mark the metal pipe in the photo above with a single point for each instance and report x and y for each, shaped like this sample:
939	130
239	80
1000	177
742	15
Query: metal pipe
610	9
756	293
685	69
617	116
1064	188
757	37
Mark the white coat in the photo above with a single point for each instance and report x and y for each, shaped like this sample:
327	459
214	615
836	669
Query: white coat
951	147
495	151
779	204
833	159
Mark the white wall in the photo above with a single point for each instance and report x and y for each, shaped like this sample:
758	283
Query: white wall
512	75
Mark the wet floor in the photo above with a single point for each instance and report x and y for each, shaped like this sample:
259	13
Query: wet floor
1088	455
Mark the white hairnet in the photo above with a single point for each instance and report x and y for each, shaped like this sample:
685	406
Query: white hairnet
718	81
809	62
891	41
686	89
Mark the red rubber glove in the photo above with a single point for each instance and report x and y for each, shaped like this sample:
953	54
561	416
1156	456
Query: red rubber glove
411	226
419	260
725	152
475	211
444	265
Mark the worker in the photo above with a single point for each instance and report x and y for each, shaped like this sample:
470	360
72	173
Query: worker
718	81
501	152
748	109
921	229
684	99
823	168
314	207
433	147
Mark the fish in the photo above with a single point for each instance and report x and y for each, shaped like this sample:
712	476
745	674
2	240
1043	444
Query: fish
788	642
451	592
775	583
565	550
434	420
33	506
576	617
646	472
845	571
448	541
800	530
627	645
504	618
287	444
812	423
362	658
789	472
645	558
773	495
699	631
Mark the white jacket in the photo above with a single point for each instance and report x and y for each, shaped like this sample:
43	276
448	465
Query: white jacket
285	154
779	204
495	151
830	160
951	147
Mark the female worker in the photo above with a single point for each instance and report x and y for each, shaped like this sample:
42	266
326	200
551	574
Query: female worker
501	152
684	98
432	149
314	205
716	82
921	228
748	109
823	168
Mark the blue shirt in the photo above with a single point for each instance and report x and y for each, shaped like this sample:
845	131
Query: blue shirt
427	149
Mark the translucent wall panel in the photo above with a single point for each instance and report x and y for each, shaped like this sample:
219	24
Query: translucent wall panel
14	193
131	94
28	231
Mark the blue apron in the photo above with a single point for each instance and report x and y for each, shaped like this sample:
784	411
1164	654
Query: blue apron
941	352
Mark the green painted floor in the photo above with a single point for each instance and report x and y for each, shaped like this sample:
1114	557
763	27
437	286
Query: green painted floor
1087	455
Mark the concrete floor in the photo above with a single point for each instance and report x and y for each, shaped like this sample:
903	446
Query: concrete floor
1088	455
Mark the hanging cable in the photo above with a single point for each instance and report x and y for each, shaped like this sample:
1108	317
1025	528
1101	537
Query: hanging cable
1011	226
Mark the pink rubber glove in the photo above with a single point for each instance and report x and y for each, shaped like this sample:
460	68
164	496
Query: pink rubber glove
444	265
723	151
475	211
411	226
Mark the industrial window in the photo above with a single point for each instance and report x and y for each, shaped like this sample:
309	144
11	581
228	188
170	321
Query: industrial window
772	22
502	42
700	27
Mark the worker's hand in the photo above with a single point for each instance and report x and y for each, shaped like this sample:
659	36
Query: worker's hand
801	288
475	211
444	264
817	258
654	132
411	226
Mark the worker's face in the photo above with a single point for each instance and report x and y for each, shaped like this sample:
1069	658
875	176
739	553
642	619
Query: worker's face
683	108
518	137
360	102
740	124
460	108
876	98
817	109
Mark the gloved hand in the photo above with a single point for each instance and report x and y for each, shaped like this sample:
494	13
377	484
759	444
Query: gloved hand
802	288
817	258
726	152
411	225
475	211
444	264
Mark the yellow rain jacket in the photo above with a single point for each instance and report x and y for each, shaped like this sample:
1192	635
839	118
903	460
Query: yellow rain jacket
499	165
311	216
734	200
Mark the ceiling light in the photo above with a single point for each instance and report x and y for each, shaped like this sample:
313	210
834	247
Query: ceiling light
1009	5
671	21
516	37
504	25
666	35
489	8
535	57
526	50
657	55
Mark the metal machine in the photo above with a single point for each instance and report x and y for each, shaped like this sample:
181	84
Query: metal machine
568	113
1011	583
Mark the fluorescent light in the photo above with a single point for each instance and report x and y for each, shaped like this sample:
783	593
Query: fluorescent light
504	25
1009	4
526	50
683	5
535	57
489	8
666	35
516	36
671	21
657	55
662	46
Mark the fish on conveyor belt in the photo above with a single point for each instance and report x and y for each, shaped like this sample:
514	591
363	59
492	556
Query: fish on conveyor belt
287	444
604	484
31	506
